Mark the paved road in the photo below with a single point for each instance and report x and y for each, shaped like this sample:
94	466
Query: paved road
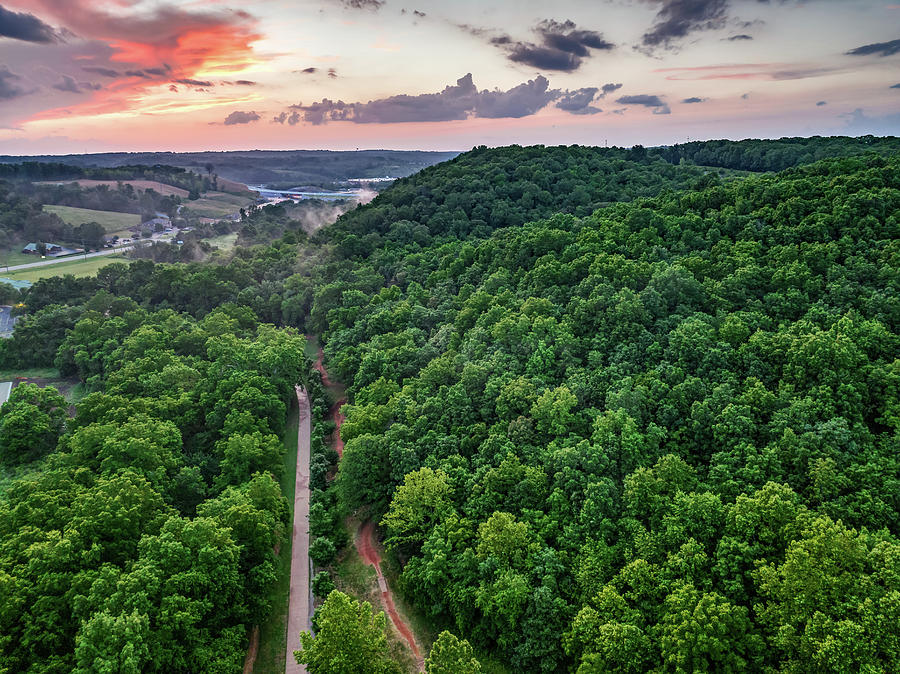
67	258
7	320
300	595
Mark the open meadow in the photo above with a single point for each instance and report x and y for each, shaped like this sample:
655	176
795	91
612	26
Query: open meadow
110	220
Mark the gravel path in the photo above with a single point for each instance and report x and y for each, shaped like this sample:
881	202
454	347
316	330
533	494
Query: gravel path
300	596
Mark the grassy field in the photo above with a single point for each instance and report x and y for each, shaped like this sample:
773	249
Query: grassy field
217	204
78	267
110	220
224	242
71	389
16	256
273	632
139	185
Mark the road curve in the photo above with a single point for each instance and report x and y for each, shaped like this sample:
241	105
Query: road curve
299	602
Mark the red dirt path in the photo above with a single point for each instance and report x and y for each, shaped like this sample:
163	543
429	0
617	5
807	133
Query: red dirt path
250	660
365	541
335	412
368	550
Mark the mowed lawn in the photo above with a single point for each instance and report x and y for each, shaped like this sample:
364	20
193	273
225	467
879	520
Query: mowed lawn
110	220
218	204
223	241
78	267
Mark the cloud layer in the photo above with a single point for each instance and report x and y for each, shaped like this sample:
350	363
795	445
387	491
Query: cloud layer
239	117
658	106
877	49
25	27
455	102
10	86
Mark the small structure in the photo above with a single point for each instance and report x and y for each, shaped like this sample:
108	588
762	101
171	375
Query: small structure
18	284
160	223
34	249
5	390
51	249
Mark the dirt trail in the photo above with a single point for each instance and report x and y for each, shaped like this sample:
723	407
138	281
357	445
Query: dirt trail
368	550
252	651
365	540
335	412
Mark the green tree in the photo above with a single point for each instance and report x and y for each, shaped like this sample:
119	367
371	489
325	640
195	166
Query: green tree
420	502
30	423
451	655
349	639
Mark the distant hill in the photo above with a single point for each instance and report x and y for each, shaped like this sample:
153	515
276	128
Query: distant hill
274	168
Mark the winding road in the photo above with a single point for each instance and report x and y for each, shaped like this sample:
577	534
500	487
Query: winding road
300	599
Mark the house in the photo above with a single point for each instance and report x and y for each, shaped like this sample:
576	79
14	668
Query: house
157	223
51	248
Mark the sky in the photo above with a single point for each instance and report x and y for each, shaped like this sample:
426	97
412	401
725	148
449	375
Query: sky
150	75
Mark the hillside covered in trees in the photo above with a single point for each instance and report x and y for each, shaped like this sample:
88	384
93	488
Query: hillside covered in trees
611	411
664	436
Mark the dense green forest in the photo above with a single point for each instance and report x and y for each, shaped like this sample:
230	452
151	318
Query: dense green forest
663	437
143	543
612	412
776	155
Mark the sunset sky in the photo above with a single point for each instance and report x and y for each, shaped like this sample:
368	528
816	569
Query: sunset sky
112	75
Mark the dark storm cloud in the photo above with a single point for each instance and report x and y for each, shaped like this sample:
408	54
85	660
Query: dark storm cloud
100	70
694	99
562	45
26	27
9	87
454	102
578	102
238	117
157	71
137	73
678	18
877	49
655	102
738	38
194	83
609	88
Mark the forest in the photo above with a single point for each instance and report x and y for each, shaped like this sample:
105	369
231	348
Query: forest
611	410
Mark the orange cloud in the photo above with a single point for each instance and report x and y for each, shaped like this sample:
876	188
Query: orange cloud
151	48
